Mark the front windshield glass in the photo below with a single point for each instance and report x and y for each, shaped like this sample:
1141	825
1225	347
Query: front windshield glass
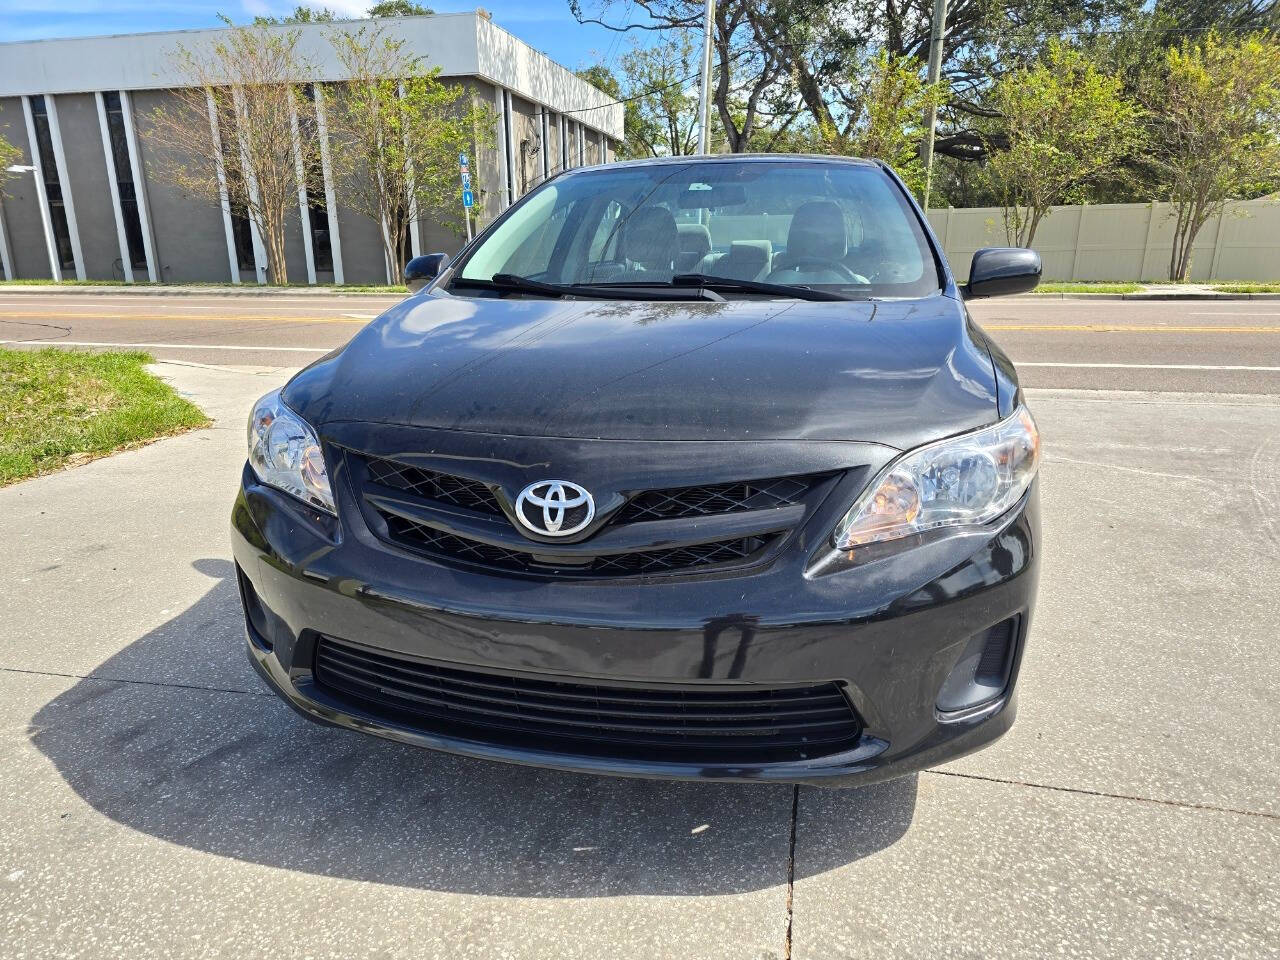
827	225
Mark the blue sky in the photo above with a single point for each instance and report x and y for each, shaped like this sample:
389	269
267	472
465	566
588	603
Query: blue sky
545	24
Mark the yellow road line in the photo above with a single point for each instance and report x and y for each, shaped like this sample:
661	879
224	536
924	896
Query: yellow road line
15	315
1121	328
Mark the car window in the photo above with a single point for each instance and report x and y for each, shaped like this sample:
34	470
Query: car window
825	224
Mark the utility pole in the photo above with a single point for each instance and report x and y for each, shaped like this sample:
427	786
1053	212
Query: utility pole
938	30
704	103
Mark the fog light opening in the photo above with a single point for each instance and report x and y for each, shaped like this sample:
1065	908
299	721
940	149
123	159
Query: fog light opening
255	613
982	672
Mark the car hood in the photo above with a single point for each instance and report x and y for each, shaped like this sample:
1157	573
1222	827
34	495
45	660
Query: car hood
894	372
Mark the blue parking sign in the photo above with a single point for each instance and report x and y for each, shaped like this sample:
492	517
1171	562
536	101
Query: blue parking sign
468	199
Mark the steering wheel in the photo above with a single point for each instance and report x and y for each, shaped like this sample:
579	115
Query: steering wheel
831	266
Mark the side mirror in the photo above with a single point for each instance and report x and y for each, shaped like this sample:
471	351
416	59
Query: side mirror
420	271
998	271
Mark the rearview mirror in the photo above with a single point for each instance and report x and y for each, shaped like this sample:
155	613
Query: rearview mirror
420	271
709	196
999	271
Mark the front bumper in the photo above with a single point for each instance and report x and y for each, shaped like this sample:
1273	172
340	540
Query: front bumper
889	630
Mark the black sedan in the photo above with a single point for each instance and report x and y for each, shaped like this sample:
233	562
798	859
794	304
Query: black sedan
684	468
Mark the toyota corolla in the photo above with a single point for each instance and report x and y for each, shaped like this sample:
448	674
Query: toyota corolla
695	467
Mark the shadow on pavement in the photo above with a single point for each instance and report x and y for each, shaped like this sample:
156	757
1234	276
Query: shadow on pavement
237	773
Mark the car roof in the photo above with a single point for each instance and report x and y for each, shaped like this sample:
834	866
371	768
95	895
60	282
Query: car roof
729	158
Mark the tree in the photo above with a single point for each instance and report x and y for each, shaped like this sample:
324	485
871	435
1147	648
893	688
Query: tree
662	110
882	110
246	78
1215	116
395	133
399	8
387	8
1063	123
300	15
776	62
749	86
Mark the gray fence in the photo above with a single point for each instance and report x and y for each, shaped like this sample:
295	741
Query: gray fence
1125	241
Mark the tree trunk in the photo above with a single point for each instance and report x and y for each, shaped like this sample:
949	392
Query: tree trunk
272	230
1033	221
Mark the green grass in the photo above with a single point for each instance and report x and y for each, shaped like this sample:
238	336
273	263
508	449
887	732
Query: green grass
1059	287
1248	288
60	408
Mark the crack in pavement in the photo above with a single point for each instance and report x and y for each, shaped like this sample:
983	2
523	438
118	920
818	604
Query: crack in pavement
791	870
1084	791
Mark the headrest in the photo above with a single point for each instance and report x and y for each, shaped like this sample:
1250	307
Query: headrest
750	255
817	232
694	238
649	236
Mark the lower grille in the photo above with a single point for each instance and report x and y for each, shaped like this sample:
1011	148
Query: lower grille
726	723
696	556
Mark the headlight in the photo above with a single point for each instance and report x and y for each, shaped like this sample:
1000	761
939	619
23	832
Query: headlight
285	454
962	481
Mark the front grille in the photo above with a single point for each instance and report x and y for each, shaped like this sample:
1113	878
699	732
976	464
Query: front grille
433	485
446	545
450	519
716	498
681	558
713	722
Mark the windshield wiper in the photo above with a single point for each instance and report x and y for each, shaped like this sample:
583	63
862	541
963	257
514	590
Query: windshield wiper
709	282
518	284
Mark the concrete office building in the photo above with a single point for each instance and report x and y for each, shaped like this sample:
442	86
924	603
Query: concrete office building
96	207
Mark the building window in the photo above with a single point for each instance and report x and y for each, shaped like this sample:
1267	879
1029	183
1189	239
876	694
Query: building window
52	187
124	179
241	232
317	209
321	248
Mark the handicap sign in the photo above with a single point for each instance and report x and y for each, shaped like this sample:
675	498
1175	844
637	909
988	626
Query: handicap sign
468	198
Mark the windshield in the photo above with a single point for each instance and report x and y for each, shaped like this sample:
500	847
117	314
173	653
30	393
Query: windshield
827	225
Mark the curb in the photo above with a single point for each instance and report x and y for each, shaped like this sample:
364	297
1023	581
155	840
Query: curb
1147	296
137	290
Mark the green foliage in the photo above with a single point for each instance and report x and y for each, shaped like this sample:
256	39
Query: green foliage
1062	124
9	155
662	119
1215	118
399	8
387	8
395	134
59	408
602	78
300	15
884	105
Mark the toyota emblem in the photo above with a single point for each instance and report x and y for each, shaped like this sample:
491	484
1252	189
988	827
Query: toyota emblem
555	508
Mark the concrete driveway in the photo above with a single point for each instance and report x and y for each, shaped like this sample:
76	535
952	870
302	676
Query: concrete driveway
155	801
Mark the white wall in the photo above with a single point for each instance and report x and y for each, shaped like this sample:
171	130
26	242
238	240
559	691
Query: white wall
1124	241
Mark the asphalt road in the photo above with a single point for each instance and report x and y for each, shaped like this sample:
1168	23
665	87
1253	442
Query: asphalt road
1194	346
